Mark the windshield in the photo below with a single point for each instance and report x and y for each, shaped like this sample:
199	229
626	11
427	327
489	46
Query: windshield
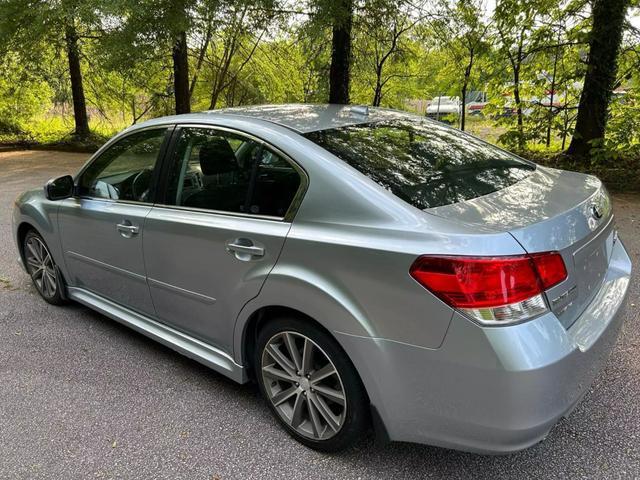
423	163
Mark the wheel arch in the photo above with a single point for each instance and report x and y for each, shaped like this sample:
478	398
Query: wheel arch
34	211
21	233
259	318
318	299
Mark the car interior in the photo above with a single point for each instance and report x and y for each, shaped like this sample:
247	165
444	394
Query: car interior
124	171
246	179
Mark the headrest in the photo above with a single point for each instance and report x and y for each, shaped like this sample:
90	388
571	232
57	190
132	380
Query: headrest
216	156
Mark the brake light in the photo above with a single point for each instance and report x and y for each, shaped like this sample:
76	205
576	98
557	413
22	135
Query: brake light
491	289
550	268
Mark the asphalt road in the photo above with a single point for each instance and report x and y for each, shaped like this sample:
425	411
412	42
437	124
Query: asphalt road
82	397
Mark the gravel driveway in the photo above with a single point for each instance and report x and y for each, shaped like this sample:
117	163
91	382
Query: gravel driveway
83	397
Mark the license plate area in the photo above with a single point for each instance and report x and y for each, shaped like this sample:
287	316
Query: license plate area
590	264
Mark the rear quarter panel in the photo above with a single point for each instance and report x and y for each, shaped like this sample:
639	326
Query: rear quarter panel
355	280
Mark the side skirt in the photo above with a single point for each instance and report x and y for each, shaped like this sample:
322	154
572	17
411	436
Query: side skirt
191	347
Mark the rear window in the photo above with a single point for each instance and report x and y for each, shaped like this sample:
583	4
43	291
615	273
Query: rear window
423	163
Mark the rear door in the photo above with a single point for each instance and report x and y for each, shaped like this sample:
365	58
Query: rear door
210	244
102	227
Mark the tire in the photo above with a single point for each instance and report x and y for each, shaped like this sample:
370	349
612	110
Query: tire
42	269
318	398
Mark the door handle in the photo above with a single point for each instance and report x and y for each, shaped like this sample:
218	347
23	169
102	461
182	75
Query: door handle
127	230
245	249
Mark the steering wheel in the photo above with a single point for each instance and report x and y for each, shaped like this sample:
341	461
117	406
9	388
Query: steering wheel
140	184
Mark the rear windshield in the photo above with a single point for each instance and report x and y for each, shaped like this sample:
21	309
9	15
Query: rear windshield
423	163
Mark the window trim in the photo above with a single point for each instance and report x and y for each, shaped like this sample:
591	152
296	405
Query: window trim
163	186
164	148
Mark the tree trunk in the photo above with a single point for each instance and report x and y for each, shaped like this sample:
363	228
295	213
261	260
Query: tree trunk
519	114
463	111
221	73
552	97
341	52
377	96
214	99
465	86
201	55
377	93
77	90
604	45
181	74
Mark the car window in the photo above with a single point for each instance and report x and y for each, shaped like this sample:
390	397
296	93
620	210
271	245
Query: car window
228	172
125	170
424	163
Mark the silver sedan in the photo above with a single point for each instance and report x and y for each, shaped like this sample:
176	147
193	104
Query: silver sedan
367	268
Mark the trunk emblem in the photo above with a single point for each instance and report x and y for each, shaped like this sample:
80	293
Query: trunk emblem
596	211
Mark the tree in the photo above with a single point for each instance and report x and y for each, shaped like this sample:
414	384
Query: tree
604	44
515	21
116	62
241	27
150	30
462	30
75	75
550	71
383	27
62	23
179	54
341	14
181	74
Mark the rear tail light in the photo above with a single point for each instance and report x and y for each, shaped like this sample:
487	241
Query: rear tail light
493	290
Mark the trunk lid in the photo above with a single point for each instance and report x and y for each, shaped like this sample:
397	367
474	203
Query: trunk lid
552	210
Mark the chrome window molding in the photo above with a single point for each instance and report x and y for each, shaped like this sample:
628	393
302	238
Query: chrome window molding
111	200
218	212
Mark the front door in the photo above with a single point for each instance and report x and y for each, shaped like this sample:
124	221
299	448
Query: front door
102	227
211	244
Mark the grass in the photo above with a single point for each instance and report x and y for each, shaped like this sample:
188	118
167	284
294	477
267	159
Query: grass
484	128
57	132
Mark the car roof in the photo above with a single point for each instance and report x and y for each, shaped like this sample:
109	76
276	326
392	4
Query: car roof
302	118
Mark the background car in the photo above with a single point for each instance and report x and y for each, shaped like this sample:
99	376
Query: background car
442	106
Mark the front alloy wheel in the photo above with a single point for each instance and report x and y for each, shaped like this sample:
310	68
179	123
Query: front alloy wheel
42	268
310	384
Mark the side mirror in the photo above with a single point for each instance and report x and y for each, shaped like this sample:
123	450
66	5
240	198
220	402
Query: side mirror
59	188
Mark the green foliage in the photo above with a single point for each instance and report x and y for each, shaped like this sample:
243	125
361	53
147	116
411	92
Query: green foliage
623	133
248	52
24	96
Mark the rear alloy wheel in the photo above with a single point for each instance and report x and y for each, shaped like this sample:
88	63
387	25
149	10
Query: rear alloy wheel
42	268
310	385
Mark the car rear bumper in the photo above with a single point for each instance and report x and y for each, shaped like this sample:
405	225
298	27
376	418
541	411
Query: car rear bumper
492	390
